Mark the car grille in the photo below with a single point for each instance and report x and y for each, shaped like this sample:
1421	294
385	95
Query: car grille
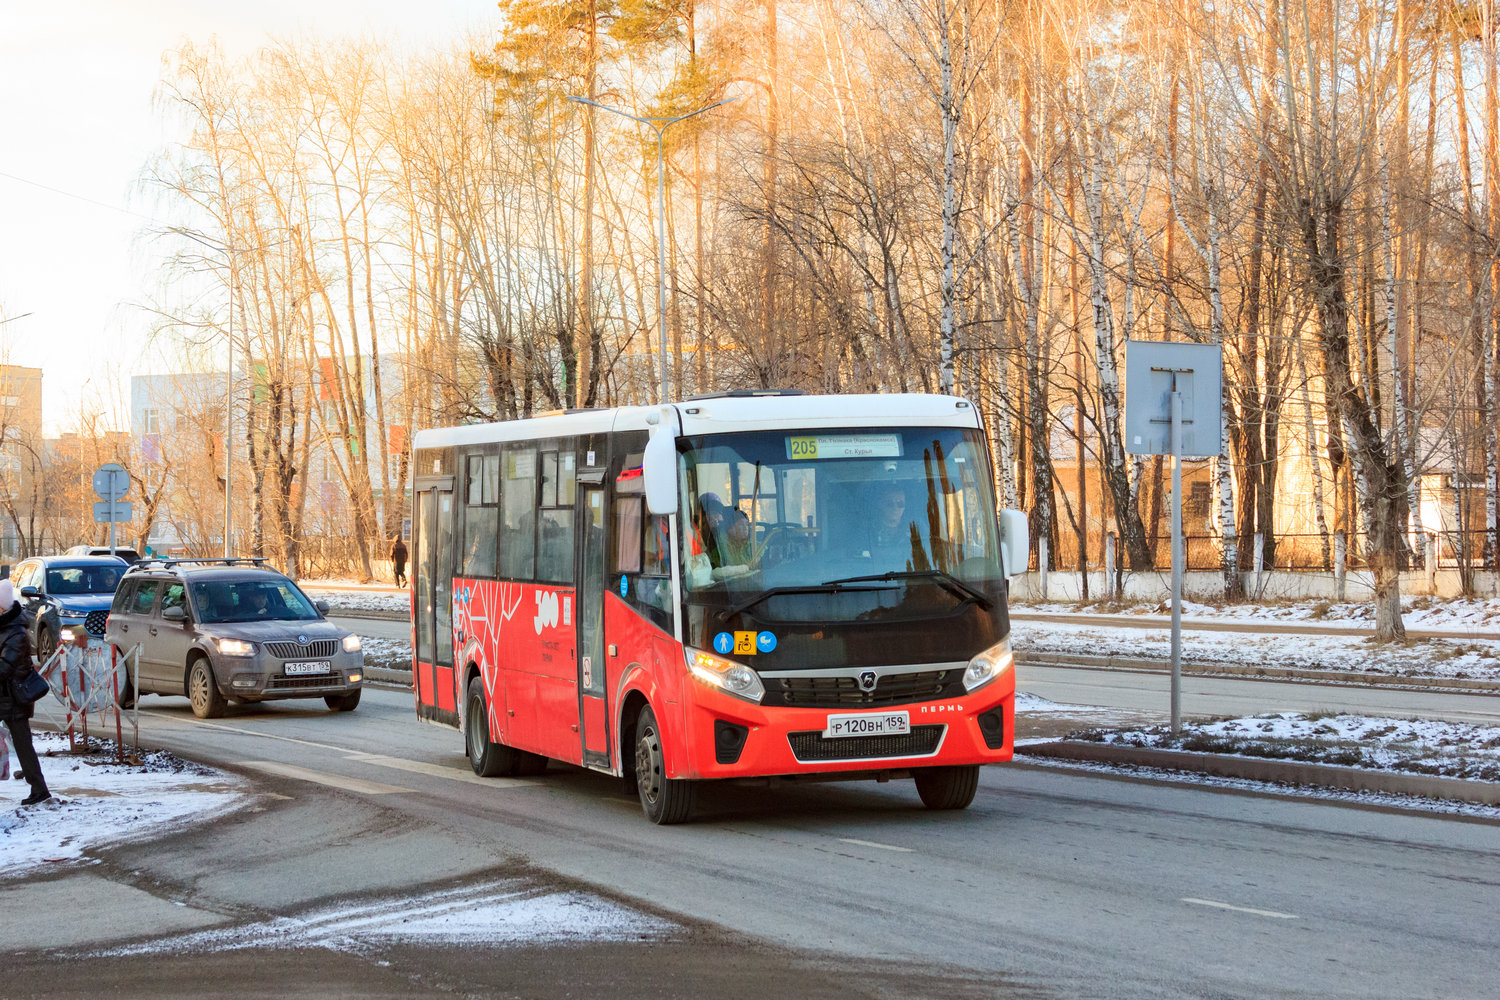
316	681
831	692
315	650
94	623
922	741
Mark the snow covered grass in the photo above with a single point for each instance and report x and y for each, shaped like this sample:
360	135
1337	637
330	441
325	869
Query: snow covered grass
1411	746
392	654
1430	613
359	600
1436	658
96	802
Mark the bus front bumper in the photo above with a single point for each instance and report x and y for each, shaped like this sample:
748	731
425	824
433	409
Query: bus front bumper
728	737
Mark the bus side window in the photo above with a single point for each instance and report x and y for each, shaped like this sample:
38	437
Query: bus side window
628	513
481	514
518	503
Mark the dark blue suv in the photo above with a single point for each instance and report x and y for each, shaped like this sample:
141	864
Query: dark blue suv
65	592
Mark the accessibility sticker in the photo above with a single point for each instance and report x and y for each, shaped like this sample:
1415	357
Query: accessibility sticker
724	643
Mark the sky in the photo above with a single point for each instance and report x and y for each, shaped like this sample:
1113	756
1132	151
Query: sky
77	126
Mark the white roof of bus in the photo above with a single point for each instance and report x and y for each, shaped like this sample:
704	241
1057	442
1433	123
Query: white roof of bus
721	414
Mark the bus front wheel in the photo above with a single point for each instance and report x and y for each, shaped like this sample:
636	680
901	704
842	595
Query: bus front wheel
948	787
486	757
665	800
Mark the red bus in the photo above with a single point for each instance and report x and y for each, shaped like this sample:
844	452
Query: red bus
746	585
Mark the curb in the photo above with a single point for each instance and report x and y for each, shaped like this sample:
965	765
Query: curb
374	614
387	675
1351	779
1460	685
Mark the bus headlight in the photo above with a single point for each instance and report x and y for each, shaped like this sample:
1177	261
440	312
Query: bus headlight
988	665
726	675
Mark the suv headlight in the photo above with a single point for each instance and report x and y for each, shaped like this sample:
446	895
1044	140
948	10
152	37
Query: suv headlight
351	643
236	647
988	665
726	675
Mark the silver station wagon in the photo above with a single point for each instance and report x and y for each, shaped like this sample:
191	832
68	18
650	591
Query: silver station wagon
230	630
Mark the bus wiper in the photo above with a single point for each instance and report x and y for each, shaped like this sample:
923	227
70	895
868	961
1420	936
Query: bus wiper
947	581
833	587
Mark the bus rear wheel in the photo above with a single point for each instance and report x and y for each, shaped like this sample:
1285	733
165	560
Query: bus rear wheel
948	787
665	800
486	757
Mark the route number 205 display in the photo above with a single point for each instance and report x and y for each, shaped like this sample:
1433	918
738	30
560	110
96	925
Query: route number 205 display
868	724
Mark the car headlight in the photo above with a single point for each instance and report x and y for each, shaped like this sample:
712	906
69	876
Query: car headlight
988	665
65	613
351	643
726	675
236	647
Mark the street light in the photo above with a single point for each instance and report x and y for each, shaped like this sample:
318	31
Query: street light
229	252
659	124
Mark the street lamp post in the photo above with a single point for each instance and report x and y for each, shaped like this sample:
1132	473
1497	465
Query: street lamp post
229	252
659	124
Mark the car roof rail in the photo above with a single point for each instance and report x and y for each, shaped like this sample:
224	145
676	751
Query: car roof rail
157	562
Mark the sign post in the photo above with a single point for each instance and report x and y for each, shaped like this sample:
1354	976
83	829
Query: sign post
1174	406
111	483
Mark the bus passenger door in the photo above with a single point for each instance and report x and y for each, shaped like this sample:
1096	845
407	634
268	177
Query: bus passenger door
432	564
593	690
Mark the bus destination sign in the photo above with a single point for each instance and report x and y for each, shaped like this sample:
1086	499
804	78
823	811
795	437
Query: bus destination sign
811	446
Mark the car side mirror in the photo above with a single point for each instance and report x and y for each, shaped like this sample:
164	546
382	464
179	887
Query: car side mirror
174	615
322	607
30	592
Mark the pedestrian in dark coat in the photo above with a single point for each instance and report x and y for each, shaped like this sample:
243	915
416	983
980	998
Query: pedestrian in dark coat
15	666
398	561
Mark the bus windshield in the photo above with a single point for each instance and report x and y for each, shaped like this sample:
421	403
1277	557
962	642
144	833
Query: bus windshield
839	525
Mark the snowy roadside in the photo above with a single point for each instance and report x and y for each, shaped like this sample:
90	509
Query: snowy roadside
1436	658
97	802
1428	613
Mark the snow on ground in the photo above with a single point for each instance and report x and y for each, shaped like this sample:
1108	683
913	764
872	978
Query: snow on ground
1411	746
97	802
1437	658
359	600
1429	613
488	914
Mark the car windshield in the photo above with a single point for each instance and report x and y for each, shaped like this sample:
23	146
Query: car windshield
251	600
840	524
65	580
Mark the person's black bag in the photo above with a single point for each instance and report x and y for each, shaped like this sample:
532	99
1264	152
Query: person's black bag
31	689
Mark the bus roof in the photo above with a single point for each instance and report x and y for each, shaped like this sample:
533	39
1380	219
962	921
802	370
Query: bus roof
726	413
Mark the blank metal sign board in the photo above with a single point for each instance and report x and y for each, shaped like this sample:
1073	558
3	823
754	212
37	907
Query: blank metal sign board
1153	370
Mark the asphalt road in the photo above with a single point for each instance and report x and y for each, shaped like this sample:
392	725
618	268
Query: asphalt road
1055	883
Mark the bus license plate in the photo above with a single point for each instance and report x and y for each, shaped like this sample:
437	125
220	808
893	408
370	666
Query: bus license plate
306	667
868	724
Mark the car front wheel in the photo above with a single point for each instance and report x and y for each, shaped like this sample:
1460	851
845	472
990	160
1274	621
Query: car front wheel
342	702
203	691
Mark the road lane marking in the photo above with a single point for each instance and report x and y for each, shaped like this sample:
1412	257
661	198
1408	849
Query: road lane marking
871	843
460	773
318	777
1241	909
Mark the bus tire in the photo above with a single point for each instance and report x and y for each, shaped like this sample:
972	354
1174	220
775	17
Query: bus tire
947	787
665	800
488	758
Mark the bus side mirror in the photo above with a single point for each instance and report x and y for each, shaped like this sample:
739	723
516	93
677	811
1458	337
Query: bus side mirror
659	470
1015	543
